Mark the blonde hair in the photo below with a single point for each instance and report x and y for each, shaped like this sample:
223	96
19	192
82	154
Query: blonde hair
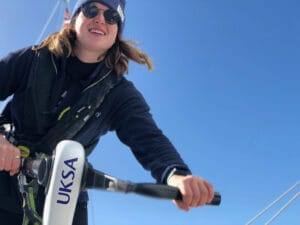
117	58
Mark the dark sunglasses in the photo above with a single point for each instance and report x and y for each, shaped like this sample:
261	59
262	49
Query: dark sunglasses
90	11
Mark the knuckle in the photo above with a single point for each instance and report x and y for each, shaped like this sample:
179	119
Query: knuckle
197	196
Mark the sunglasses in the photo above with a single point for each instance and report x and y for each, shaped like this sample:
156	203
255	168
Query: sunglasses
91	11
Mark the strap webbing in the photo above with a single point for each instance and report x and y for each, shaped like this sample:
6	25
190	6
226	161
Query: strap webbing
74	119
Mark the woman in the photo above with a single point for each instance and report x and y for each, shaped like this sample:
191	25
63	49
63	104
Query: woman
49	81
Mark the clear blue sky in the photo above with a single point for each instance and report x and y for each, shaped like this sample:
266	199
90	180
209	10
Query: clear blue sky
225	90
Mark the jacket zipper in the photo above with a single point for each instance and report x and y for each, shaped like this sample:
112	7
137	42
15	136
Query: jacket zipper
98	81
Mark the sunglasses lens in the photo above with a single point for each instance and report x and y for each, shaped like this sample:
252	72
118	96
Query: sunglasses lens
111	16
90	11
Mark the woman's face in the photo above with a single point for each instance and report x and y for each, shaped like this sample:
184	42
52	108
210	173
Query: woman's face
94	36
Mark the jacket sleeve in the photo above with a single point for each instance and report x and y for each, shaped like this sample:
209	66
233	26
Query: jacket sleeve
13	71
136	128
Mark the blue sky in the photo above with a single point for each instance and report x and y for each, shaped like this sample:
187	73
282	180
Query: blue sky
225	90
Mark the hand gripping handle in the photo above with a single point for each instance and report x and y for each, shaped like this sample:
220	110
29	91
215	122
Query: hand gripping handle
166	192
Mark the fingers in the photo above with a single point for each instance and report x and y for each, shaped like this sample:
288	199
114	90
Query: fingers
10	159
195	192
15	165
187	197
211	192
200	194
181	205
11	163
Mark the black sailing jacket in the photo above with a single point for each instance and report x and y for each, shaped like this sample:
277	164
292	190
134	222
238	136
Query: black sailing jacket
123	110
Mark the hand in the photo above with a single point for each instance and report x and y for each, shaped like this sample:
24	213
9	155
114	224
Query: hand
10	157
195	191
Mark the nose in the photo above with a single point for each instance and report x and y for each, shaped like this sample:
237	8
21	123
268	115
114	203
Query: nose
100	17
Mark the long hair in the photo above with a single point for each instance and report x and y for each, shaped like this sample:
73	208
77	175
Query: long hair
117	57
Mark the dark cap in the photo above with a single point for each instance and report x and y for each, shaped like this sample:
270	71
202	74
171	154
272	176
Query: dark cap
117	5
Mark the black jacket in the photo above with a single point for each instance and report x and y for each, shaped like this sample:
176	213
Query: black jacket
124	111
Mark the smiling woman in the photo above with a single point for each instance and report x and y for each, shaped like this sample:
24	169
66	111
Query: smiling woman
94	35
60	88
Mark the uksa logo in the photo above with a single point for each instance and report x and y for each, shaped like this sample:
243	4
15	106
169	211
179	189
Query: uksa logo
66	181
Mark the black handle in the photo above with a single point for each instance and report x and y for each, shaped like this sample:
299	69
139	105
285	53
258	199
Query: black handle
97	179
166	192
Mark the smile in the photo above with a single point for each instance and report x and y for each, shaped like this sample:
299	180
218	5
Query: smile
96	31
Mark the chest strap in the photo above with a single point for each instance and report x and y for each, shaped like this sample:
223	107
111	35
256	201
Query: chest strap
73	118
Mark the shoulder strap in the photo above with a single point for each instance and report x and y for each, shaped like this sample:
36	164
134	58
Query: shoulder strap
38	91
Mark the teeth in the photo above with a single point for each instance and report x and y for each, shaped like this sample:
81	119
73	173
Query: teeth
96	31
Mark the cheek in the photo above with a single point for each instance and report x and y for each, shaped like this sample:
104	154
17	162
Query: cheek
113	30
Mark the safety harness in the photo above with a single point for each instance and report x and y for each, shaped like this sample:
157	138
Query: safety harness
29	192
69	122
72	118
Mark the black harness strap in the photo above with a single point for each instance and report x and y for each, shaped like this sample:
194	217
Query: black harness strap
38	91
73	118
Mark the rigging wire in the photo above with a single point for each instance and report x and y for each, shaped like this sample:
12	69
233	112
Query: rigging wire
283	208
48	22
67	17
276	201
